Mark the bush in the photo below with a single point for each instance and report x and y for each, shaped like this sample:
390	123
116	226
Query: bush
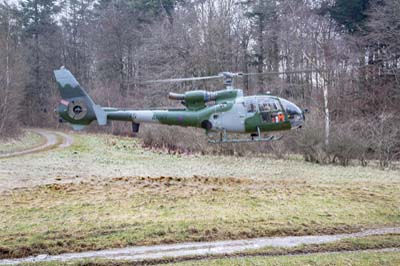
382	133
346	143
309	141
173	139
176	139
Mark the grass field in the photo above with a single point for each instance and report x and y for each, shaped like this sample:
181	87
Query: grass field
97	157
107	192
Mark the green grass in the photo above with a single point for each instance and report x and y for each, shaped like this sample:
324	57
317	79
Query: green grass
354	259
26	141
113	193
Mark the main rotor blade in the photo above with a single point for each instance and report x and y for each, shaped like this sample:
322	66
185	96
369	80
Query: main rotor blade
226	75
181	79
282	72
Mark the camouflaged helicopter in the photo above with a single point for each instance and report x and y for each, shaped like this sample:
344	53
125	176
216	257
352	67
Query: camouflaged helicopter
221	112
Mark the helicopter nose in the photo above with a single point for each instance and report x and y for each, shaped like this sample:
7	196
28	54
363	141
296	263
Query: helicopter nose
296	116
297	120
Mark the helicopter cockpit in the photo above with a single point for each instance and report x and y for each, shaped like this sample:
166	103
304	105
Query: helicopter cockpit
295	114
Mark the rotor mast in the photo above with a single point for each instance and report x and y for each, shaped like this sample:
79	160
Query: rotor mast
229	78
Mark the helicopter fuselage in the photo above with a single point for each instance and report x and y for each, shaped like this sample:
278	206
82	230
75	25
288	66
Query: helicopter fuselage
221	111
242	115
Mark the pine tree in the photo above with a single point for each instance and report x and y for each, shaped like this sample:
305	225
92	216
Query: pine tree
350	13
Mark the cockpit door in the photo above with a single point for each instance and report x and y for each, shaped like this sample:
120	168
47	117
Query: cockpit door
270	111
251	107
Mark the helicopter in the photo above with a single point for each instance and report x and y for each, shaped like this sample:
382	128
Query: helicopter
217	112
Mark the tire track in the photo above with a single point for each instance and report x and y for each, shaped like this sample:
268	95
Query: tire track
176	251
52	142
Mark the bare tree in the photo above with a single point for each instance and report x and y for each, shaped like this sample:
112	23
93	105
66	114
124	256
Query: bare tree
383	135
11	72
384	35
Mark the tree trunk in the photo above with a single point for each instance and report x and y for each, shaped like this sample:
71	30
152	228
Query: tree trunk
260	56
325	85
7	87
326	108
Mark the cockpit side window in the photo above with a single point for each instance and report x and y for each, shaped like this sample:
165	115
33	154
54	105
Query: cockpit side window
251	105
268	105
290	108
294	113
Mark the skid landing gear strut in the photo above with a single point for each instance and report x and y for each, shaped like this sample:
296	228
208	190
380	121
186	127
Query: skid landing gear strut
223	138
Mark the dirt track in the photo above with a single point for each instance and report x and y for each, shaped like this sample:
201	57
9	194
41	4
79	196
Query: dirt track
52	142
198	249
10	178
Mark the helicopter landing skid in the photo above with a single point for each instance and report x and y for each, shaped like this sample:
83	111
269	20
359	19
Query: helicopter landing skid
273	138
257	138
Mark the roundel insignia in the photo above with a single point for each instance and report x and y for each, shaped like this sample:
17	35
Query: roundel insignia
77	110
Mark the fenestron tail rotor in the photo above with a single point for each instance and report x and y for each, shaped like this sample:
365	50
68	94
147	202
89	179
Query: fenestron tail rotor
76	106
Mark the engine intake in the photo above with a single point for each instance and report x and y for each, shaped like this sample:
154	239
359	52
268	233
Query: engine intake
196	99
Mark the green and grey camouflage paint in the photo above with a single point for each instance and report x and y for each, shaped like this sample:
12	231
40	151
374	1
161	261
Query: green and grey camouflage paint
231	111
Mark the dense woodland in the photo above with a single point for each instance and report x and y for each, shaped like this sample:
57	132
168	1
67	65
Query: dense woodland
113	45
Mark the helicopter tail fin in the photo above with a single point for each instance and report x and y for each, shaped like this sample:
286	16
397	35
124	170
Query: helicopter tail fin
68	85
76	105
